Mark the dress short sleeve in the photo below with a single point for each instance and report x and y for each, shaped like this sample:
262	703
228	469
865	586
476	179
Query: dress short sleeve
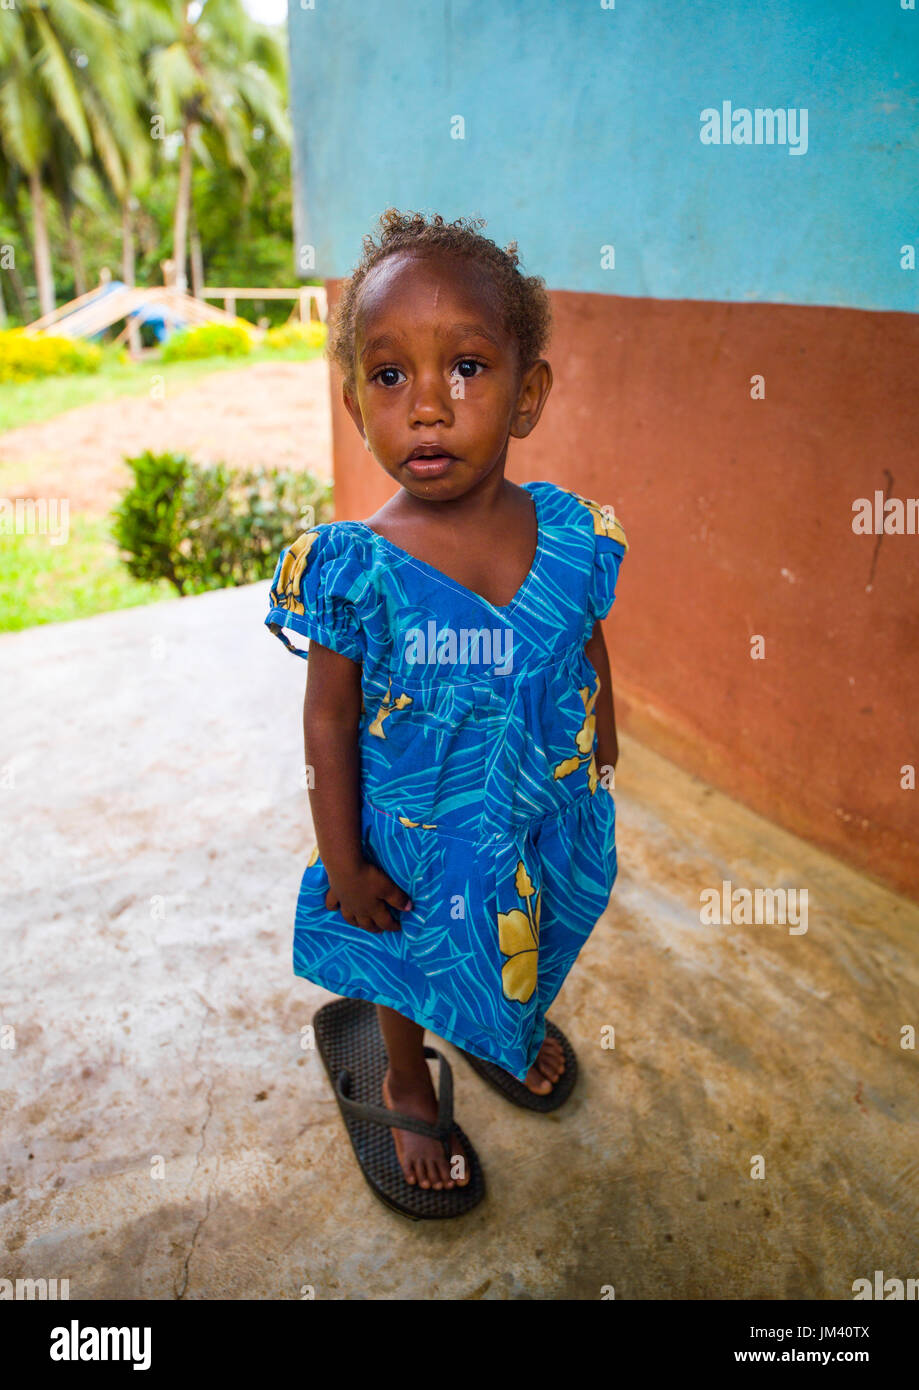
610	547
316	592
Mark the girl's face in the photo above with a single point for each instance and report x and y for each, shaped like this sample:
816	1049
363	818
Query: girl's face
436	370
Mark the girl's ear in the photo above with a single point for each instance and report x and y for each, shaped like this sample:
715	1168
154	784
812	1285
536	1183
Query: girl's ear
534	389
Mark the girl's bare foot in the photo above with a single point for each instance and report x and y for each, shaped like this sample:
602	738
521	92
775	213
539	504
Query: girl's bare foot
547	1068
422	1159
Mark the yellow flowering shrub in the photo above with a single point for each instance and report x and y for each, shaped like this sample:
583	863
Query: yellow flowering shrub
25	356
208	340
311	334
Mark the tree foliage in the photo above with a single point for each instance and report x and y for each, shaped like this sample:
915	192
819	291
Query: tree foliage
98	99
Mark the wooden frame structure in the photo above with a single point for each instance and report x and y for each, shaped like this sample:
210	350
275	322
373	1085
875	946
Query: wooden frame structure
95	311
306	295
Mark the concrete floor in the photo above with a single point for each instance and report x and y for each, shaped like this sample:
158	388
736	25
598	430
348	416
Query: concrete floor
155	833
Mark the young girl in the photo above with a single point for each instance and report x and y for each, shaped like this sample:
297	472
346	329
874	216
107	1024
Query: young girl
458	720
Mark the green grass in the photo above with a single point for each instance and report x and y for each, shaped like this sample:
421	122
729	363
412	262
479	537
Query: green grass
27	402
45	583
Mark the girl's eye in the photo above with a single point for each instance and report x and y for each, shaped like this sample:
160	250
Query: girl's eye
468	362
386	372
385	375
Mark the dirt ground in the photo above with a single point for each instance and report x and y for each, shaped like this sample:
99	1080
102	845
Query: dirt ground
272	413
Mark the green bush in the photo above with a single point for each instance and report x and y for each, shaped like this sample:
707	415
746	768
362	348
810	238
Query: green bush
24	356
208	340
311	335
211	527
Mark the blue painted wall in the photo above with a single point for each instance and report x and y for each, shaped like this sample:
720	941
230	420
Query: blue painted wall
582	130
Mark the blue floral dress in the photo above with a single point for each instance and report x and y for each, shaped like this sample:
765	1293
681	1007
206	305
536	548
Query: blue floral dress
480	793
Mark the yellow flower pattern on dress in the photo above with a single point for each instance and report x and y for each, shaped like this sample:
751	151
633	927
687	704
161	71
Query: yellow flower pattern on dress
313	857
605	521
518	938
404	820
386	708
288	587
584	742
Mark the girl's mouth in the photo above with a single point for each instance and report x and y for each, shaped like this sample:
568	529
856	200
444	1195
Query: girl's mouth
429	466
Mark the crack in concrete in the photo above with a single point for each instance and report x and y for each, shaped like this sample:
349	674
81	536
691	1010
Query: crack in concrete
180	1293
311	1124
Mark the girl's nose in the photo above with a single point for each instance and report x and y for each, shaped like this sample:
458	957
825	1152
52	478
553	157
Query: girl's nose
431	402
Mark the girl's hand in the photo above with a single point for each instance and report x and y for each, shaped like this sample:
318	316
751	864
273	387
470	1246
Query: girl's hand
362	897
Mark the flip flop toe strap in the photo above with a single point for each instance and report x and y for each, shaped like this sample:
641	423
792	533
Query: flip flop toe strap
381	1115
444	1091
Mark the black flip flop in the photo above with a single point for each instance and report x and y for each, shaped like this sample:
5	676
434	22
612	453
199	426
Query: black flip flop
352	1050
516	1092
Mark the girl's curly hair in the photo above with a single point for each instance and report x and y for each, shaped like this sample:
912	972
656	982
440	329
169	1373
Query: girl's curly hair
524	299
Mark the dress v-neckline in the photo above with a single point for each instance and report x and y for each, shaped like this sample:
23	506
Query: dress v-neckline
462	588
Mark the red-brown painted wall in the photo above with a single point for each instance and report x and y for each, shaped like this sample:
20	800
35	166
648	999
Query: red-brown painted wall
739	519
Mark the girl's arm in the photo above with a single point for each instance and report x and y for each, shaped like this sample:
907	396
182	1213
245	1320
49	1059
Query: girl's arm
331	717
607	741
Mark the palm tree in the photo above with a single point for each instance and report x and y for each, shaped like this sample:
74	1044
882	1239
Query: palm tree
12	225
50	57
121	140
78	81
215	73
